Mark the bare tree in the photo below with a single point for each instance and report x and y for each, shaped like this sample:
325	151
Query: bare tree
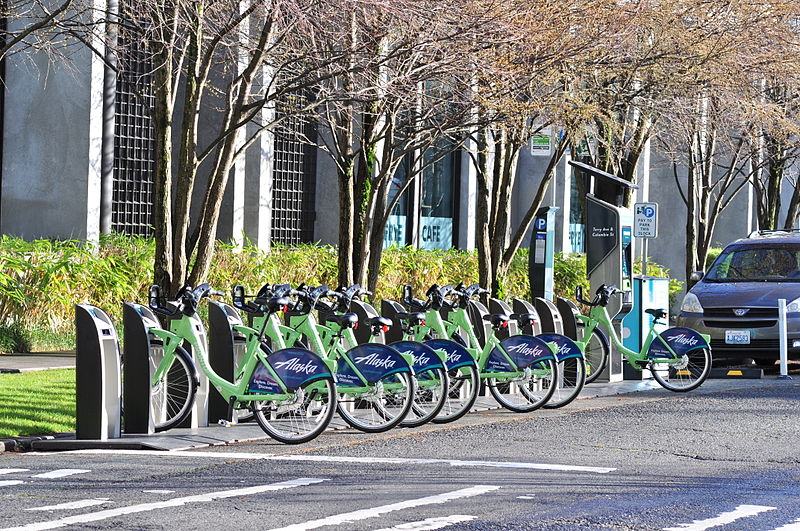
226	62
401	93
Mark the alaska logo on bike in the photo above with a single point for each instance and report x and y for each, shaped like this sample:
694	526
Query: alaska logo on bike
425	358
520	352
456	355
293	366
565	347
372	361
681	340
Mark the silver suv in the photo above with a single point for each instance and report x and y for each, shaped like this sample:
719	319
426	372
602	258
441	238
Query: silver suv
736	301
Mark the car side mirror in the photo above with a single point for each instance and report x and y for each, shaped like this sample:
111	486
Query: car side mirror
697	276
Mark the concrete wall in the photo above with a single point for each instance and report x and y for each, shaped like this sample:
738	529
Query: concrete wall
52	135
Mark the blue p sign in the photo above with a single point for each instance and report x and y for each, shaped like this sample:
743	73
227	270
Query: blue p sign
540	224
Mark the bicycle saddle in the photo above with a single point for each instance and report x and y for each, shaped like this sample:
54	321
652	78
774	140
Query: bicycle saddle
658	313
378	321
413	318
347	320
498	320
524	319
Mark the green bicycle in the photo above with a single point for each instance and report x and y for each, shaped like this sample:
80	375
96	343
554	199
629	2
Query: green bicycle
290	392
521	371
678	358
374	382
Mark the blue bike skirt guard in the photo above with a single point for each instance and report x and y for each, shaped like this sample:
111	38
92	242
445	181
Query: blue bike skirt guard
681	340
565	347
456	355
425	358
373	360
523	350
294	366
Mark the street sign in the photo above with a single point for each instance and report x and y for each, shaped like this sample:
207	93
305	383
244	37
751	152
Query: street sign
645	220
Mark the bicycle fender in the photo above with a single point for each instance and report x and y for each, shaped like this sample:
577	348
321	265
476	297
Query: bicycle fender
455	355
681	340
425	358
373	360
522	349
293	366
565	347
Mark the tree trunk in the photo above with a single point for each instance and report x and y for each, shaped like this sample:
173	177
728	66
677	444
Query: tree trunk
794	208
162	203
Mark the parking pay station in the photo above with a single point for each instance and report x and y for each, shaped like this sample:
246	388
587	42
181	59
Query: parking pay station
540	262
609	248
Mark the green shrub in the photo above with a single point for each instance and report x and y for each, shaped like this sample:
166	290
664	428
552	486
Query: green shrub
712	255
14	338
40	281
659	271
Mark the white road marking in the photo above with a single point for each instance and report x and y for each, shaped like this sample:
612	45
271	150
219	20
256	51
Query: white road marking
431	523
80	504
175	502
794	526
525	497
362	460
363	514
61	473
12	470
158	491
742	511
11	483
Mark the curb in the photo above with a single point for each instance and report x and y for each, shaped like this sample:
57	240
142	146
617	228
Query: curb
22	444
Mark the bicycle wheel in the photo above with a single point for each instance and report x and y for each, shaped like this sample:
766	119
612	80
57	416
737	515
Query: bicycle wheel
571	378
528	391
172	395
596	355
429	397
686	375
461	394
382	407
300	418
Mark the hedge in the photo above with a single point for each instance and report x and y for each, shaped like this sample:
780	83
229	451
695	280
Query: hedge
41	280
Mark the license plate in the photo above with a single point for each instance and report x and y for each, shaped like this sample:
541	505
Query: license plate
737	337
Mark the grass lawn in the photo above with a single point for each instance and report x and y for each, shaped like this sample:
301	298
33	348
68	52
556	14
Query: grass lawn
37	403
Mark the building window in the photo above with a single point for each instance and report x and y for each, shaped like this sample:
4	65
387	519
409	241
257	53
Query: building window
134	144
294	177
438	213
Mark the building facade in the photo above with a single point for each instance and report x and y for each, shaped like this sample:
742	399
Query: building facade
77	161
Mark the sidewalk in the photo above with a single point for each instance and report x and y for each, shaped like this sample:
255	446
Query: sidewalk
39	361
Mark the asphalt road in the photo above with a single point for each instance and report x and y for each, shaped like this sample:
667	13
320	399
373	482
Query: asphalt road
723	457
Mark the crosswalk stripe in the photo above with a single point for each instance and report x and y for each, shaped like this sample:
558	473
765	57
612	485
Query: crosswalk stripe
742	511
363	514
431	523
175	502
363	460
4	471
794	526
80	504
61	473
11	483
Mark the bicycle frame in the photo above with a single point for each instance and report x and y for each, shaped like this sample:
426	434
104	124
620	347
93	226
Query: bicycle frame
185	327
459	319
598	315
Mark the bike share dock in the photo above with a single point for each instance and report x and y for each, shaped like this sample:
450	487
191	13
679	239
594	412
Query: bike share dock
99	401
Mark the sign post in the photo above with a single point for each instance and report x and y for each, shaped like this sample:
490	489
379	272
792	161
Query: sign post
645	226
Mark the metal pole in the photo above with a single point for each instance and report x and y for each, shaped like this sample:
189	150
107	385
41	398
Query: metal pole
109	112
783	340
644	256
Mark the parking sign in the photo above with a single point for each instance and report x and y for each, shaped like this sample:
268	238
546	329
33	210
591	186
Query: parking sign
645	220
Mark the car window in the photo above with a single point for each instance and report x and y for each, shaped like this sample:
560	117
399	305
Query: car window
754	264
